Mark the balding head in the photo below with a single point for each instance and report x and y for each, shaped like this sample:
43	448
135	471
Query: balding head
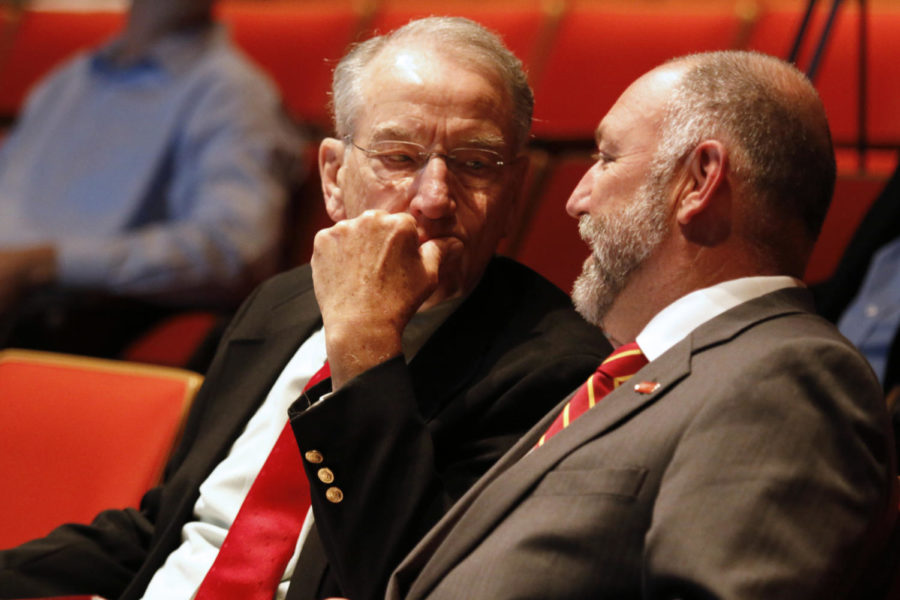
769	114
710	167
447	38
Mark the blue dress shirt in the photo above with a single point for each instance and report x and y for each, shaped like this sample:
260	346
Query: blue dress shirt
165	176
872	319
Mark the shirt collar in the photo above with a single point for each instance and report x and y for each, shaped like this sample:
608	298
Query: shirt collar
168	56
677	320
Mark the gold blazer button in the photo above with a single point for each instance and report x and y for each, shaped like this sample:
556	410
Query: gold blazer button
334	494
325	475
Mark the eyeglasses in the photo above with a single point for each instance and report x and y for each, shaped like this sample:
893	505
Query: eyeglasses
395	161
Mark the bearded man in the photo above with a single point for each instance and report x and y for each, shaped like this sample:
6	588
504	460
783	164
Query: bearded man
749	454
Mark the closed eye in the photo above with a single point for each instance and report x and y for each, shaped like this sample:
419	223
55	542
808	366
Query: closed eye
396	159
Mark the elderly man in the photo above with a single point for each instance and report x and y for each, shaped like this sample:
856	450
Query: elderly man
156	167
423	182
750	457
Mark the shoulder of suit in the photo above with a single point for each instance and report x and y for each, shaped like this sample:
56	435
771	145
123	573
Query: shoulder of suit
519	279
283	286
539	309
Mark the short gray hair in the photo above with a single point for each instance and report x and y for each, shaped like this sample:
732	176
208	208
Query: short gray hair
461	39
774	122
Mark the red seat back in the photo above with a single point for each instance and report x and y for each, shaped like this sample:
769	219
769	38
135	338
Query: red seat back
837	79
79	435
40	40
298	44
550	243
600	50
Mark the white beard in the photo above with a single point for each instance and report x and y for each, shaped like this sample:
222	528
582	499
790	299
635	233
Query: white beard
619	244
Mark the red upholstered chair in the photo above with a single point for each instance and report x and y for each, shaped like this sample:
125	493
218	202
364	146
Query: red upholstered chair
853	195
550	243
174	341
837	80
40	40
298	44
600	49
78	435
523	24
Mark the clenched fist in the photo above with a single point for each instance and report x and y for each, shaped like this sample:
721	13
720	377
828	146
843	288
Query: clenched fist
371	275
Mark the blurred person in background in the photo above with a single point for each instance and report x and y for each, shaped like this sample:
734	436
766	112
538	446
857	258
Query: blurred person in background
147	175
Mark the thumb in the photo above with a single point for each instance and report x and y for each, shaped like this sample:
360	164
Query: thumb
432	254
436	253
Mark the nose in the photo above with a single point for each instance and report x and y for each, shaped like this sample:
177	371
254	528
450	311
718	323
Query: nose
578	203
432	198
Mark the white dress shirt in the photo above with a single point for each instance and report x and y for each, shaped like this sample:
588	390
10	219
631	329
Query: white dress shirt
677	320
223	492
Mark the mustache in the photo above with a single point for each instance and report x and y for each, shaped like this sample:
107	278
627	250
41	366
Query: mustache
589	229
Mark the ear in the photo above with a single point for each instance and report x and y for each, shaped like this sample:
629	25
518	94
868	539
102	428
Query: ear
331	159
703	177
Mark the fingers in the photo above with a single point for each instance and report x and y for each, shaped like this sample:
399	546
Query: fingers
368	232
431	253
438	254
370	277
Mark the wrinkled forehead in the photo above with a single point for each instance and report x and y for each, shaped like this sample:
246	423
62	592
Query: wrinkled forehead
420	93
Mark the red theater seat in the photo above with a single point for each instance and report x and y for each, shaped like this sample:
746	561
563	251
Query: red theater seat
520	23
40	40
838	72
600	50
298	44
853	195
550	243
79	435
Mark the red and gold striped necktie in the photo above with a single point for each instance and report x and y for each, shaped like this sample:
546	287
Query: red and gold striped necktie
612	372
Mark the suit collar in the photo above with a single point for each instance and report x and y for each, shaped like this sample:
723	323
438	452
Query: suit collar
438	375
494	495
297	309
686	314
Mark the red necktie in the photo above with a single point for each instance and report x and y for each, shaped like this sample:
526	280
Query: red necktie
612	372
261	540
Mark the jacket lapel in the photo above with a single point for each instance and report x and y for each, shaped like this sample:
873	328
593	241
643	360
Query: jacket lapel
438	375
496	494
250	360
254	356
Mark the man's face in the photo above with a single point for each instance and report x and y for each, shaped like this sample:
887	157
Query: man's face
622	202
619	243
414	95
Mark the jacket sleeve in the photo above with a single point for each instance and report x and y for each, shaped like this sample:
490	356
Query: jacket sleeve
398	471
100	558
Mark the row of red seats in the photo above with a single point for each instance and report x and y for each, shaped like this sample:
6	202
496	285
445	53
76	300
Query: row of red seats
580	53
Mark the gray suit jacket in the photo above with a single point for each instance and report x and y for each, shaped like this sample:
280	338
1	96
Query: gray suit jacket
760	468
